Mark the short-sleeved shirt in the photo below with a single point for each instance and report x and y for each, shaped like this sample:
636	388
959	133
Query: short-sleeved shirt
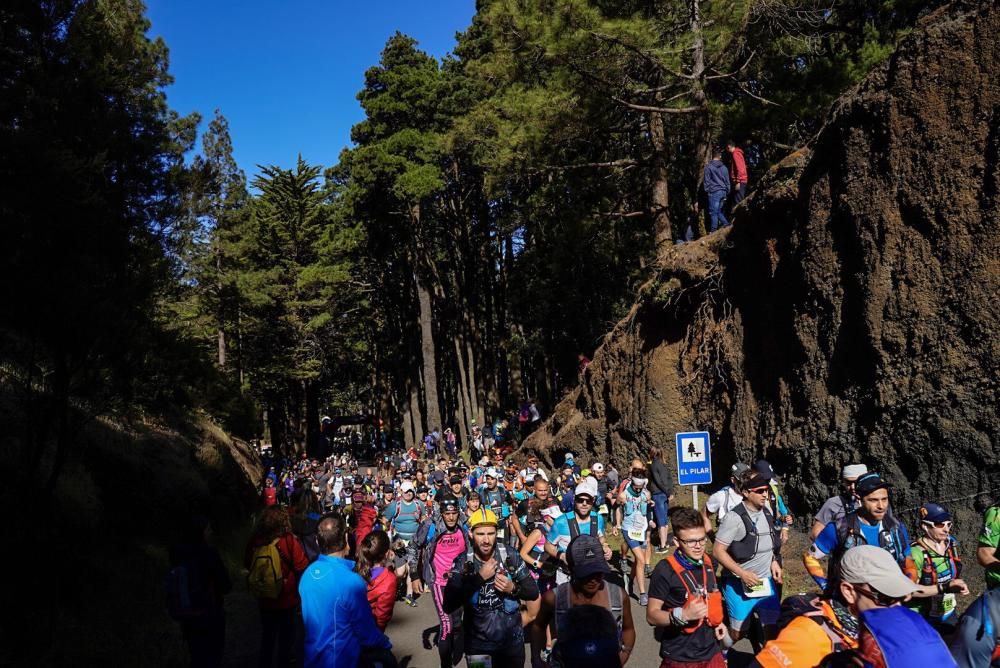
676	645
723	501
834	509
732	530
990	537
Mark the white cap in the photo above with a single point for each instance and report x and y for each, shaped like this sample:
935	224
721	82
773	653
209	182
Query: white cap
853	471
484	461
597	467
406	487
492	472
588	487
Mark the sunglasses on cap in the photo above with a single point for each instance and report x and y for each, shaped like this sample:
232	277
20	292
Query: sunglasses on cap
878	597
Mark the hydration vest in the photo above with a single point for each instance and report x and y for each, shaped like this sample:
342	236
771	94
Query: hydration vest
745	549
707	589
574	526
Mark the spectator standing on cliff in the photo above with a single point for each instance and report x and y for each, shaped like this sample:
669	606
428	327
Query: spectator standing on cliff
715	181
739	173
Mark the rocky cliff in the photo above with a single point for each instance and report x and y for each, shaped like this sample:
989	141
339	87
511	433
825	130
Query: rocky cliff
851	313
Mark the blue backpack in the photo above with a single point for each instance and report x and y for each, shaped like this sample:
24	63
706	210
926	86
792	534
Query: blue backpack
904	638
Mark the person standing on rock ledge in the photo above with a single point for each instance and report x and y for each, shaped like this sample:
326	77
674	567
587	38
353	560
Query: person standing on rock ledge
715	181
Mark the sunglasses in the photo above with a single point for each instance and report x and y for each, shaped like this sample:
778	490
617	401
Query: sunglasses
584	501
758	490
940	525
638	472
878	597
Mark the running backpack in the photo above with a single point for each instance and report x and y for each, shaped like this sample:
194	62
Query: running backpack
265	579
188	592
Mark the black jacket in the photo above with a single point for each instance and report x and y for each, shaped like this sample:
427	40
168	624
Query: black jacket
661	478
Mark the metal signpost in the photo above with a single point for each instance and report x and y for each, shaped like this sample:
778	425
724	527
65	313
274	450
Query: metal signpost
694	460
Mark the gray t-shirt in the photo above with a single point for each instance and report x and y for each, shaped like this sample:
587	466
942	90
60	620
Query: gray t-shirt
833	510
732	530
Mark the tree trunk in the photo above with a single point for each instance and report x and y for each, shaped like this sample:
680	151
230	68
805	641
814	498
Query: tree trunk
220	316
408	436
465	416
662	232
419	430
702	123
428	354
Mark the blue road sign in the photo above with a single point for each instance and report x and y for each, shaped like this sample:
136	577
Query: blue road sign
694	458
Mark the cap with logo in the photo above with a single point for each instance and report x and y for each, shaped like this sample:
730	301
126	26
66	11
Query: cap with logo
585	557
597	468
407	486
933	512
868	483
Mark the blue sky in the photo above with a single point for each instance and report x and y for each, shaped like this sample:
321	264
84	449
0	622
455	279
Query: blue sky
285	73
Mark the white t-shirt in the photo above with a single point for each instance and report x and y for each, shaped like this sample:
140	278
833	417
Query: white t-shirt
723	501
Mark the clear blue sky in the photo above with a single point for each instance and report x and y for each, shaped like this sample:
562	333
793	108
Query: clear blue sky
285	73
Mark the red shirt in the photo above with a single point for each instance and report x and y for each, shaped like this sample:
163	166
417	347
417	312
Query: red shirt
293	563
739	166
270	496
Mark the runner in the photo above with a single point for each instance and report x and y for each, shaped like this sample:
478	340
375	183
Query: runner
870	524
723	501
496	499
988	554
685	604
936	560
489	582
745	547
633	506
587	586
582	519
836	507
430	554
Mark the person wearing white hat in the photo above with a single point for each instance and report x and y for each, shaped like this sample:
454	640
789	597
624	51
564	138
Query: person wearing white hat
836	507
582	520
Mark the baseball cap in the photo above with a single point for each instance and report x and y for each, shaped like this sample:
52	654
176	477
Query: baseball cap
763	468
853	471
871	565
739	468
455	479
586	488
406	487
437	477
422	489
869	483
933	512
492	472
569	457
585	557
449	503
551	511
598	467
387	488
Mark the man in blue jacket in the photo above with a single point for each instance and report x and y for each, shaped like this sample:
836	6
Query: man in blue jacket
716	183
338	621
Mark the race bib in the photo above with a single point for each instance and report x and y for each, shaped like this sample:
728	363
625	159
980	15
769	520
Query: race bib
761	590
948	604
637	535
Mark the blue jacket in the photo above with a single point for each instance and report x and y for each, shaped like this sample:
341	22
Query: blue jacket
716	177
338	620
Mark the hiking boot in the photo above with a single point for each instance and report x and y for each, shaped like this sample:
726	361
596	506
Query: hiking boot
647	570
663	549
643	599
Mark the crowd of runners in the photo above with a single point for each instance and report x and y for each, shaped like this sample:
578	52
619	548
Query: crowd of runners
573	562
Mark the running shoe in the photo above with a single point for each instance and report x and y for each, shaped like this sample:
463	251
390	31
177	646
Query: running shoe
410	601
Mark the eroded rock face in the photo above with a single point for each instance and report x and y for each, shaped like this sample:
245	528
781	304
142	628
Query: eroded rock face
852	312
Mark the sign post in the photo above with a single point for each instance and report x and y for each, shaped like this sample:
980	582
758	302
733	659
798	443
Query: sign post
694	460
